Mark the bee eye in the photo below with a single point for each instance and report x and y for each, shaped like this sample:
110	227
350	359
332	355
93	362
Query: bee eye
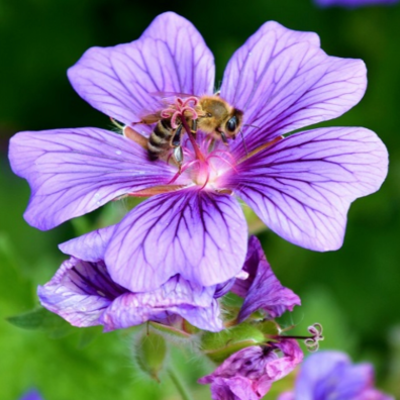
209	115
231	125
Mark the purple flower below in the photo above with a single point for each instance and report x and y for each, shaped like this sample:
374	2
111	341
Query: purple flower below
353	3
249	373
31	395
262	290
331	375
83	293
301	185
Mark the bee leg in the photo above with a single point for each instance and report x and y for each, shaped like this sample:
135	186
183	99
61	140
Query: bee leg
178	156
223	137
194	127
176	139
176	144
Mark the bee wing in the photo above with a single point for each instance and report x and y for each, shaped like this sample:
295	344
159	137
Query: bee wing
166	99
149	118
169	97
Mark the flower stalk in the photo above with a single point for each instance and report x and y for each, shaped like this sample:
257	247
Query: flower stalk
178	383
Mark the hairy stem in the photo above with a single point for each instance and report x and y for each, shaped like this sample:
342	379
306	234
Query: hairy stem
180	386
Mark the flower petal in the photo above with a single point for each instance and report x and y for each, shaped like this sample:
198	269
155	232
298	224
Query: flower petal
286	396
283	81
177	296
262	290
236	388
328	373
120	81
200	235
79	292
302	186
74	171
257	367
278	368
89	247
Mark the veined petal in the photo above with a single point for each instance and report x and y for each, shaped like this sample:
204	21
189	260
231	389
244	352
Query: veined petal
250	372
236	388
283	81
302	186
192	302
120	81
90	247
262	289
79	292
74	171
198	234
331	373
83	293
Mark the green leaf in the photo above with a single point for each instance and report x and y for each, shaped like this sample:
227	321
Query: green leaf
88	335
41	319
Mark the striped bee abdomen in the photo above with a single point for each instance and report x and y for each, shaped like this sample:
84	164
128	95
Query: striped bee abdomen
160	139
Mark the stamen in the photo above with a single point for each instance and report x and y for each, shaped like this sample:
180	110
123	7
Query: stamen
232	164
156	190
183	168
196	149
260	148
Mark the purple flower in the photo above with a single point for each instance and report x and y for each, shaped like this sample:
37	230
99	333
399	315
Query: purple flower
249	373
331	375
353	3
300	185
83	293
31	395
262	290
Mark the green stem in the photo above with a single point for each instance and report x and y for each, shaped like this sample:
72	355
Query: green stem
179	384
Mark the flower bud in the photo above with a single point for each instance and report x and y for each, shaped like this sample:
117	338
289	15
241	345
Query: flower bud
219	346
150	352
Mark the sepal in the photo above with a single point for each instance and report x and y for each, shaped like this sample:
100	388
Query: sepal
219	346
150	351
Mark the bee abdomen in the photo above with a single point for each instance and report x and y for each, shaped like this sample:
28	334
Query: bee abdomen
159	140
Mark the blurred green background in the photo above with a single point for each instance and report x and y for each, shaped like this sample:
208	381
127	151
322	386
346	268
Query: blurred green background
353	292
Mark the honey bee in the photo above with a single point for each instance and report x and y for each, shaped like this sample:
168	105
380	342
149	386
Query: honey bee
216	118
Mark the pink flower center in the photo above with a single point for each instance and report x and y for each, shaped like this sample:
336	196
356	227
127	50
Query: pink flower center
207	164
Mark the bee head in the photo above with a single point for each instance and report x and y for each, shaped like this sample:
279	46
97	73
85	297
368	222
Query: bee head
233	124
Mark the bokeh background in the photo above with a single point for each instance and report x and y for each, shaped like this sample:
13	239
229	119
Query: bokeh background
354	292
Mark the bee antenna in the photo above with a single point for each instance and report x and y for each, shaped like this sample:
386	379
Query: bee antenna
244	142
253	126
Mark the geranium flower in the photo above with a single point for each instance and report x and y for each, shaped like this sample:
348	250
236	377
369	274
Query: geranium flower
353	3
83	293
331	375
300	185
249	373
